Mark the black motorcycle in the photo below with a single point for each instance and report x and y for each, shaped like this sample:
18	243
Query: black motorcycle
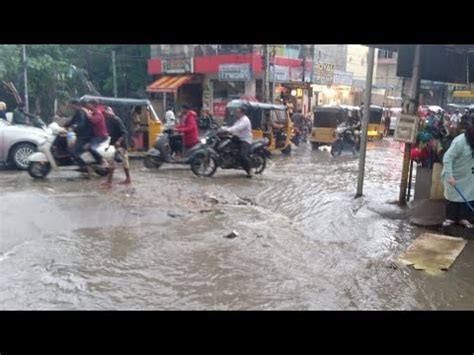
345	140
223	150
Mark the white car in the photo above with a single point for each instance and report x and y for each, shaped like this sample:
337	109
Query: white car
18	142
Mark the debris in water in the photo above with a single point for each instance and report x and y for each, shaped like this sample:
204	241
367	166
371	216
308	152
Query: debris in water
205	211
232	235
173	214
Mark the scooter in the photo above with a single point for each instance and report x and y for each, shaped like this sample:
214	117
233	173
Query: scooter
53	153
166	149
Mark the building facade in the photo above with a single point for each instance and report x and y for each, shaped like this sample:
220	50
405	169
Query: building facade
340	73
209	76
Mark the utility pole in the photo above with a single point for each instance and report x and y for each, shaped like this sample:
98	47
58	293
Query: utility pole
114	73
412	107
266	72
365	120
25	78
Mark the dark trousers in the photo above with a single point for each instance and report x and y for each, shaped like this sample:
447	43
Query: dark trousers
244	156
79	149
458	210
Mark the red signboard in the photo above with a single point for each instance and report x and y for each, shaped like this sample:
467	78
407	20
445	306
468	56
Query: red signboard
218	108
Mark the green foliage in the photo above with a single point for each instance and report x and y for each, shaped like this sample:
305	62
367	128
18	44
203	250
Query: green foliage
63	71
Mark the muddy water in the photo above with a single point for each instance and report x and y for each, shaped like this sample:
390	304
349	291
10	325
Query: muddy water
303	241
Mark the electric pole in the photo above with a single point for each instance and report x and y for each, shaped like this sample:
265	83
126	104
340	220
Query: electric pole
25	78
365	120
114	73
266	72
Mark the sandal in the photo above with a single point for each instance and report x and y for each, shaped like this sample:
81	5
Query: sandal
466	224
448	222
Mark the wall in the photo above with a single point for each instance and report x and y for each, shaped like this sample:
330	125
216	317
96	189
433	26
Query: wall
357	62
331	53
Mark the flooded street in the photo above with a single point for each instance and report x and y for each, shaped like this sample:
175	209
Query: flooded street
303	241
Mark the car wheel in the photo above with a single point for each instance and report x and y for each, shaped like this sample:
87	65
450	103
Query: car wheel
315	146
20	153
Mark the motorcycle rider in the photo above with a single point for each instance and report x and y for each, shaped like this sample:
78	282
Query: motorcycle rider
189	128
99	130
242	129
299	122
81	125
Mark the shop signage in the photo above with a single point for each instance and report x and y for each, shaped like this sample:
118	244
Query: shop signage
218	108
406	129
177	65
279	73
296	74
323	73
342	77
235	72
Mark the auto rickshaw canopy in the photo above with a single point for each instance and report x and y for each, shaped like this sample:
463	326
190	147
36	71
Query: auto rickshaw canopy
115	101
253	109
329	116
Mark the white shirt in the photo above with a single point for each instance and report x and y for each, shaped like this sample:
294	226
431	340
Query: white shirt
456	118
242	129
169	119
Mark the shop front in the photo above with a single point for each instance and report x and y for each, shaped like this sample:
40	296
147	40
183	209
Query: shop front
232	82
175	85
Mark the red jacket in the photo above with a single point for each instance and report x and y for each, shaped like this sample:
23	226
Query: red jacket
189	129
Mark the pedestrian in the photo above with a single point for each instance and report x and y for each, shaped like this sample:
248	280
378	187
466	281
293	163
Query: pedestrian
455	117
20	116
170	119
206	119
3	110
136	123
119	139
387	120
80	124
458	170
242	129
99	130
189	127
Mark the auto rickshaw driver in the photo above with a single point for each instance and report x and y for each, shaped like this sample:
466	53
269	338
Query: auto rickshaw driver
276	128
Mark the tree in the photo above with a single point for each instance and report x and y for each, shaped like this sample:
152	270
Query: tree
58	72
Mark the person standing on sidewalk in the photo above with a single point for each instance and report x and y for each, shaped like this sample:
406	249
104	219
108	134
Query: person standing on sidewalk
458	170
119	139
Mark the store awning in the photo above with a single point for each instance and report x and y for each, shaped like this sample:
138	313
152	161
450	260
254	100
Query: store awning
168	83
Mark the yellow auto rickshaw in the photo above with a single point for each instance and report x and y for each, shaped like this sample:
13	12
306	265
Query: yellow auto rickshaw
326	119
122	107
376	126
270	121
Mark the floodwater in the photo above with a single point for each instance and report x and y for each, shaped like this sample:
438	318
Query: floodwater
303	241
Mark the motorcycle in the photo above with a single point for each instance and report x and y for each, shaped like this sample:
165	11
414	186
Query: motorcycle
53	153
346	138
165	150
223	150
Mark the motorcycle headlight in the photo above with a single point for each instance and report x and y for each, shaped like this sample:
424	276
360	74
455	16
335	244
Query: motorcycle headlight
203	140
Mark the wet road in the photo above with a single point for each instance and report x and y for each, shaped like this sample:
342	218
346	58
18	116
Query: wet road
303	243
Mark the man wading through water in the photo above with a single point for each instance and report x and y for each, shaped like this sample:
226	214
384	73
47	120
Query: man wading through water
242	129
118	138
